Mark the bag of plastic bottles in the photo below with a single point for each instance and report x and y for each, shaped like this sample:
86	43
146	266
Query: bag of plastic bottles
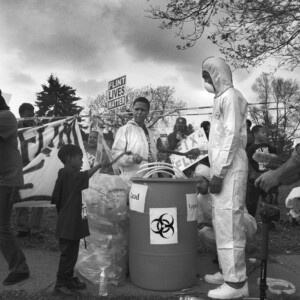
106	202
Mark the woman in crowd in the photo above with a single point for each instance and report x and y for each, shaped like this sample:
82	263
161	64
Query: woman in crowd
91	150
91	147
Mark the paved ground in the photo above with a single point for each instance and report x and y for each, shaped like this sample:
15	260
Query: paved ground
43	266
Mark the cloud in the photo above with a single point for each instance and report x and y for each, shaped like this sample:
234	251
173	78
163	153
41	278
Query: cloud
147	42
87	43
87	38
58	33
90	87
21	78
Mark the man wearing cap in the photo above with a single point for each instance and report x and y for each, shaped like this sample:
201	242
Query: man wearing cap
179	133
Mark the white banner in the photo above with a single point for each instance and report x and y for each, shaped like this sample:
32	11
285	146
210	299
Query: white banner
163	225
191	207
198	140
137	197
39	147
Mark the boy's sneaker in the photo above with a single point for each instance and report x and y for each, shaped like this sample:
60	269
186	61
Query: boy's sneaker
14	278
227	292
75	284
214	279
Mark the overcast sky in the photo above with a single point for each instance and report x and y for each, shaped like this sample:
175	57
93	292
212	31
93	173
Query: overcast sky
88	43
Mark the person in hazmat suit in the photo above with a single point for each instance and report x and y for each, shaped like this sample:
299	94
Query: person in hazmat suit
229	169
206	233
136	138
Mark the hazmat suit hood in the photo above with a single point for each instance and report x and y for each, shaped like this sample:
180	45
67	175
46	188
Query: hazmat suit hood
219	72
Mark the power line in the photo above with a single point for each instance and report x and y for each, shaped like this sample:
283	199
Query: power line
165	110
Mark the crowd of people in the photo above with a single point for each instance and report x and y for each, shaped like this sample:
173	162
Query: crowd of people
228	192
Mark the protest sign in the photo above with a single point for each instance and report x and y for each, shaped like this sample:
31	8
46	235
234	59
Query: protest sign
198	140
116	94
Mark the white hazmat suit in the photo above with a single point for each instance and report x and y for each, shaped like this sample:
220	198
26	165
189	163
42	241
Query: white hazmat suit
226	149
131	137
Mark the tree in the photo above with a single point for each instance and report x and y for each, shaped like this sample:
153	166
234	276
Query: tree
280	112
57	99
247	32
162	104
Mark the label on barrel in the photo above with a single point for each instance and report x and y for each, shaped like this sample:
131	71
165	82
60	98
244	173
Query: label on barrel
163	225
191	207
137	197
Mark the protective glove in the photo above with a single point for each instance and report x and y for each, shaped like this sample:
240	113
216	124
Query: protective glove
216	185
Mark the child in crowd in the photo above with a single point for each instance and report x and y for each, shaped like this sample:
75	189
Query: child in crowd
72	223
205	221
260	148
205	226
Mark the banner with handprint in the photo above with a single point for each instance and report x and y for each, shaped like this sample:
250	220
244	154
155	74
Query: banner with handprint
39	147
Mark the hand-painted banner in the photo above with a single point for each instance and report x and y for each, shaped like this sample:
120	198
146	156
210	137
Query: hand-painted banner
39	147
198	140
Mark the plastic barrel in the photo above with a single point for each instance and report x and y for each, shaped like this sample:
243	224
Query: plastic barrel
164	267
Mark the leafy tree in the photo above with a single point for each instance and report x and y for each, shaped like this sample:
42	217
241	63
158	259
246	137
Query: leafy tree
247	32
162	104
57	99
280	112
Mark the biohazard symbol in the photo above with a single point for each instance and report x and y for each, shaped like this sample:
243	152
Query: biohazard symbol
163	226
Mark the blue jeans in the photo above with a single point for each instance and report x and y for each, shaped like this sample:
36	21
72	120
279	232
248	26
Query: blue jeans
8	242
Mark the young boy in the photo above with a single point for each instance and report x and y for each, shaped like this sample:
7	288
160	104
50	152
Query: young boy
260	146
72	223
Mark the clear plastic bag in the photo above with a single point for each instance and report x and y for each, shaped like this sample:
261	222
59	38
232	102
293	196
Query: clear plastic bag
107	246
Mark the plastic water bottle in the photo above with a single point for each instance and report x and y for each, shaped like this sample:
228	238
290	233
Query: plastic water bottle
103	283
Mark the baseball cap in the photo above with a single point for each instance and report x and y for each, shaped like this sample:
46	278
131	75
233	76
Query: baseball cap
181	121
